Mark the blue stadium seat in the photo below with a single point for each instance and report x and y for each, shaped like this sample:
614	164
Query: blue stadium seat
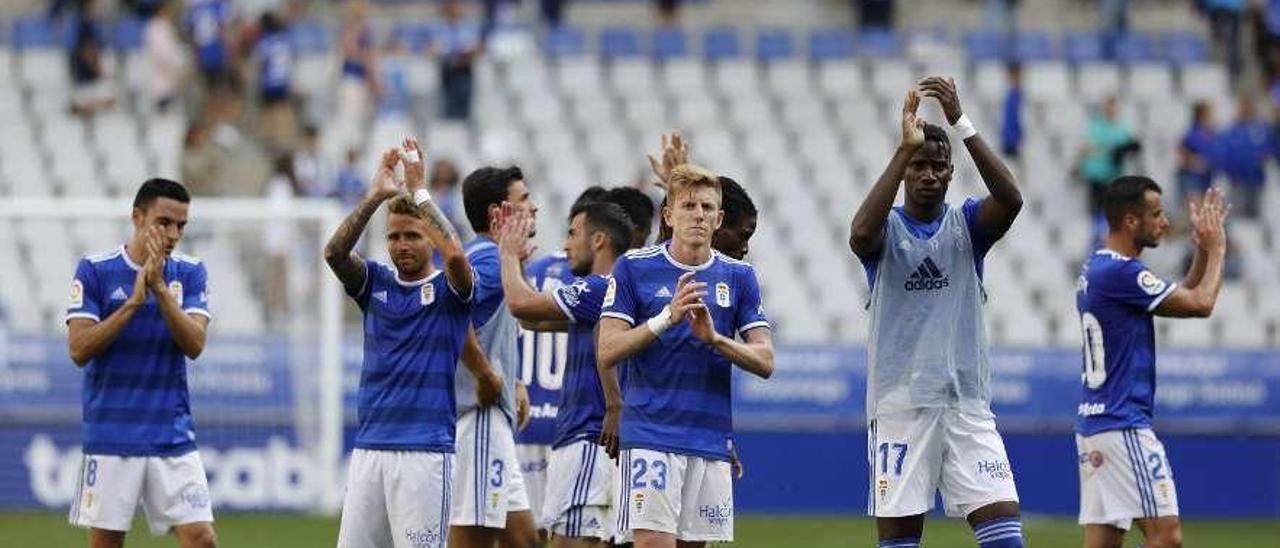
1082	47
127	33
415	35
1033	46
670	43
564	41
1185	48
309	36
831	44
985	45
721	43
619	42
880	43
774	44
36	31
1137	47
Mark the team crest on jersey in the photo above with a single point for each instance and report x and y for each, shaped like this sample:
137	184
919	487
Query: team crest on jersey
428	294
77	294
175	290
1150	283
722	295
610	293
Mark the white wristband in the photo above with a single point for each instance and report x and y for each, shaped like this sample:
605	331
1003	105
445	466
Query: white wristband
421	196
661	322
963	128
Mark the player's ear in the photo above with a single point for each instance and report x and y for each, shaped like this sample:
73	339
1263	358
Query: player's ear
138	216
598	240
719	220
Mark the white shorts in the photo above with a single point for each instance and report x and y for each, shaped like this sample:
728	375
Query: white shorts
396	498
581	492
487	483
1124	475
173	491
689	497
534	460
915	453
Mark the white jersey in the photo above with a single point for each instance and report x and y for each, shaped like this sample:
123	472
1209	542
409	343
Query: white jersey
928	341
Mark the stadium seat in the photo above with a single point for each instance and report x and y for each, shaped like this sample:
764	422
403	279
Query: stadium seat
879	44
985	45
1184	48
580	77
632	78
1048	81
565	41
721	43
37	32
44	71
670	43
1097	81
737	78
1082	47
751	113
1033	47
416	36
1138	47
1206	81
831	45
1151	81
841	81
617	42
790	78
640	111
891	80
775	45
990	81
685	76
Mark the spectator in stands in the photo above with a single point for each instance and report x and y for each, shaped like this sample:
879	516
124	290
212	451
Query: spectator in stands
458	45
1115	22
552	11
1196	153
91	90
1107	143
1002	16
165	58
1011	120
351	185
668	12
359	84
1244	149
447	193
393	68
280	240
275	59
201	161
312	171
1267	37
875	14
209	23
1224	24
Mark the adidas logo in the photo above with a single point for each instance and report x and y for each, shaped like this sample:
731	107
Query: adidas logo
927	276
663	292
380	296
119	295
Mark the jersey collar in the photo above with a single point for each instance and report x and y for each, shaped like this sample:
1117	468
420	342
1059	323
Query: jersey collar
124	253
416	283
691	268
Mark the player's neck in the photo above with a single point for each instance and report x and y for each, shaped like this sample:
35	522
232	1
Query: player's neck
1123	244
923	213
134	249
689	254
425	272
602	264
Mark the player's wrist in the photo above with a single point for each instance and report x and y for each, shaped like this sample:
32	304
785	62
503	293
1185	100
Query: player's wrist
962	127
421	196
660	323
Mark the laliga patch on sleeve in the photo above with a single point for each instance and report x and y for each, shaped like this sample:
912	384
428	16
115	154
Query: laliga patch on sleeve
1150	283
77	294
610	293
175	289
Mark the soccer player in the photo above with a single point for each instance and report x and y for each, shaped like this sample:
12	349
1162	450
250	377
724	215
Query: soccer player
416	323
1124	474
929	382
543	357
676	423
639	208
577	506
490	501
137	314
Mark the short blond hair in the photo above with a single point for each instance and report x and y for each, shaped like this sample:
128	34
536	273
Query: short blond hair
686	177
403	205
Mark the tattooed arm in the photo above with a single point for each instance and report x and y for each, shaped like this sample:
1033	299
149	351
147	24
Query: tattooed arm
340	253
441	232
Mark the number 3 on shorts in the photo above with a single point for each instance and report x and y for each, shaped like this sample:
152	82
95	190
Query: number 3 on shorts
496	467
659	479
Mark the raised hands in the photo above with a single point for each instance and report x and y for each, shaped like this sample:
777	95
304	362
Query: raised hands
912	124
156	254
675	151
385	184
689	294
415	162
511	228
1208	217
944	91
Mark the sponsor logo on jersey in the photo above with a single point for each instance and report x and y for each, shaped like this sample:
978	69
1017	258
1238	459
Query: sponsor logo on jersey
77	294
572	295
1150	283
423	538
531	466
716	514
610	292
119	295
926	277
428	294
995	469
663	293
1091	409
722	295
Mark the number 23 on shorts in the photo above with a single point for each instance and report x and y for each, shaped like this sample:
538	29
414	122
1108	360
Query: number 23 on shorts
656	471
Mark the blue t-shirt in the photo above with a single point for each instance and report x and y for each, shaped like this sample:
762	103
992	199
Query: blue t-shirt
677	393
1116	298
543	356
275	53
1200	141
135	398
1244	149
413	338
206	21
925	230
582	400
354	66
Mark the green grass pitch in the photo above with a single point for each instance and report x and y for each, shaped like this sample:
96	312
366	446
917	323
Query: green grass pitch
45	529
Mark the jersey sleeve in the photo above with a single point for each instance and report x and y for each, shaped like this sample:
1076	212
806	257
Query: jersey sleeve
580	301
1136	286
195	292
86	300
981	240
750	312
620	297
361	295
486	295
